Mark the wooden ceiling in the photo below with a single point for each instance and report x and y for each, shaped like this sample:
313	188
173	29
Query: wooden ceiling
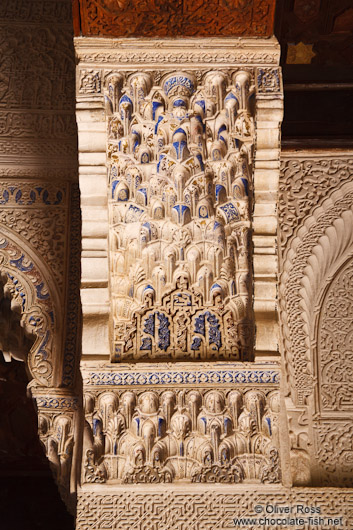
174	18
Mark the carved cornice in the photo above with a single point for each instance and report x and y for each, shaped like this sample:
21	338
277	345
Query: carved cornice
193	53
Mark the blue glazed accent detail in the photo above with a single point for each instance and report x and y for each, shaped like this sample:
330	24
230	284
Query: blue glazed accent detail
204	421
268	421
160	427
231	212
246	186
215	286
149	326
160	160
180	298
5	197
114	185
199	158
163	332
227	424
42	350
137	141
196	343
214	332
133	214
179	148
155	106
226	376
180	209
138	426
158	122
219	189
146	344
221	129
95	423
124	99
144	193
179	103
179	130
179	81
203	212
49	402
230	96
40	295
200	325
201	103
18	263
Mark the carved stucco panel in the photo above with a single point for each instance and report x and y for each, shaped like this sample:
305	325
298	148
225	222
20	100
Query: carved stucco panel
171	435
315	315
335	344
208	509
180	162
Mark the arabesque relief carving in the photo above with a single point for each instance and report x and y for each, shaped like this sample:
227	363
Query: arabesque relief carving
152	436
211	509
180	158
315	299
335	355
179	264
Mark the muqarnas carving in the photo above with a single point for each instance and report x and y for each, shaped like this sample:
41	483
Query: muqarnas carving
198	436
180	164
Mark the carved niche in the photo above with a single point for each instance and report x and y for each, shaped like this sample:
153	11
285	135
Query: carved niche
180	157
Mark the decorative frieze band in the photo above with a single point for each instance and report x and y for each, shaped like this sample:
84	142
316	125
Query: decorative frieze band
226	376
